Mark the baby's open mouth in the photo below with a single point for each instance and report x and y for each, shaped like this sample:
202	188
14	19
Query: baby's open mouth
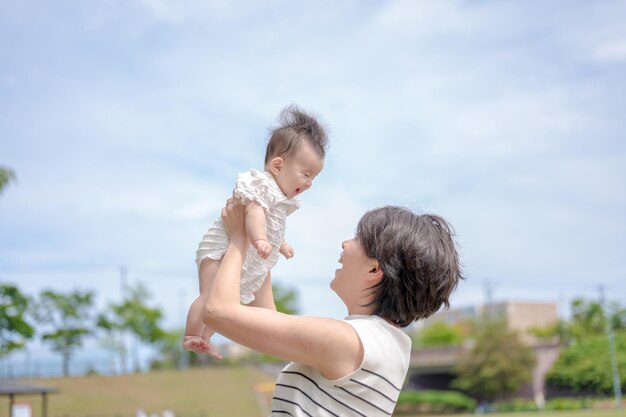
297	191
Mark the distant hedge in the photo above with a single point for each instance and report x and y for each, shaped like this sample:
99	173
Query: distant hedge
433	401
557	404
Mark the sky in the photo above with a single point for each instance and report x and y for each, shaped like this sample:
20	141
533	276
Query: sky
126	123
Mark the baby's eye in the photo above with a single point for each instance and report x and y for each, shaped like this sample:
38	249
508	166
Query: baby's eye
307	175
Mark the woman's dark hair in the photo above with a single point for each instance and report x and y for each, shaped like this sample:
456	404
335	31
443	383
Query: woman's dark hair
418	258
295	127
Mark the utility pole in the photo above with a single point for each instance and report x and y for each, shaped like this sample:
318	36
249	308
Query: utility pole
122	347
488	312
488	292
183	362
617	388
123	274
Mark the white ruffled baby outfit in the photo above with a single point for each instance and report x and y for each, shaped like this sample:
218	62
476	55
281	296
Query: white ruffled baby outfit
259	186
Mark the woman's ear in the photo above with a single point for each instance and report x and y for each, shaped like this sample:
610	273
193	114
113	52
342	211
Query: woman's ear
375	273
276	165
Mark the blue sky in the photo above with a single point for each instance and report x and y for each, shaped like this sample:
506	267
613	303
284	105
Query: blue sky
126	123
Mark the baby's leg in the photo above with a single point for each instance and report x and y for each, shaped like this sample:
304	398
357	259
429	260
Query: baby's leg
264	297
196	333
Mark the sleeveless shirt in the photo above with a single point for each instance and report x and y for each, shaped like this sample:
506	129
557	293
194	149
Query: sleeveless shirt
372	390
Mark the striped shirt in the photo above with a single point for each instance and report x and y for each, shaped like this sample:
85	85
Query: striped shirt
370	391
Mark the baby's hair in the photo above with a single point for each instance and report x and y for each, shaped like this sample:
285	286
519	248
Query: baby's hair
295	126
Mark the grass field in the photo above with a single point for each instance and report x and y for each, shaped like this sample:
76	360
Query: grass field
583	413
206	392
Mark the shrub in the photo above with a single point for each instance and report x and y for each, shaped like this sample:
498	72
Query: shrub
516	404
433	401
568	404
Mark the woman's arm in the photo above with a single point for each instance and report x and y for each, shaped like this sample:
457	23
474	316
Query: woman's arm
330	346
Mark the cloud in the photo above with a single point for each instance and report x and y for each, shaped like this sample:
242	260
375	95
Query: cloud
127	128
611	51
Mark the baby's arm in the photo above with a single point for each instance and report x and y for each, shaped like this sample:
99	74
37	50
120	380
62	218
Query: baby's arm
255	228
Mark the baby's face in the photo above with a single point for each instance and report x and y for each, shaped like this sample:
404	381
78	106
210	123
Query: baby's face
298	171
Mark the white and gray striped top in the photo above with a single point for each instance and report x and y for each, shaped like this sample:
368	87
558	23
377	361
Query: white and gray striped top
370	391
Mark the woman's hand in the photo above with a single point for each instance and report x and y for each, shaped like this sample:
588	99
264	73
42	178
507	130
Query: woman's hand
233	216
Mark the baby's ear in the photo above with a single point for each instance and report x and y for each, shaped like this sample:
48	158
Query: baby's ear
276	165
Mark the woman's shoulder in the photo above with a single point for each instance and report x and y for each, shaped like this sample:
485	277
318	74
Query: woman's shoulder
381	340
372	325
385	361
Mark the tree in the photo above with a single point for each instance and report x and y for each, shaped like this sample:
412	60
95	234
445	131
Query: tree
559	331
67	316
617	316
286	299
14	329
133	316
585	366
587	318
6	176
439	333
497	365
171	353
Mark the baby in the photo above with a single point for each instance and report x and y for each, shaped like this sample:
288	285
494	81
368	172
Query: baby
294	156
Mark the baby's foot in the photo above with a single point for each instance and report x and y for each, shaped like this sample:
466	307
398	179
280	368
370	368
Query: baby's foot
200	346
195	344
211	351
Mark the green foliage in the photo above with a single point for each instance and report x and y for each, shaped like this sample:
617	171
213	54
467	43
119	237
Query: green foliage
590	318
286	299
437	334
585	365
433	401
568	404
170	350
587	318
559	331
498	364
617	316
67	318
6	176
14	329
134	316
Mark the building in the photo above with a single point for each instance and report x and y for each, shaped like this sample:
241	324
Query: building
434	367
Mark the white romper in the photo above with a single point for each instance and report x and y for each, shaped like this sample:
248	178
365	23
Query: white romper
259	186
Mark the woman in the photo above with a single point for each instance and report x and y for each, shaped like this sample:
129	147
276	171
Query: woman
400	267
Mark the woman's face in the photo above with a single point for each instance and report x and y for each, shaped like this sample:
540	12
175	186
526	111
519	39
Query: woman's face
354	268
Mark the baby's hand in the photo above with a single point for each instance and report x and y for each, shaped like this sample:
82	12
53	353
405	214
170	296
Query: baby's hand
286	250
263	248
